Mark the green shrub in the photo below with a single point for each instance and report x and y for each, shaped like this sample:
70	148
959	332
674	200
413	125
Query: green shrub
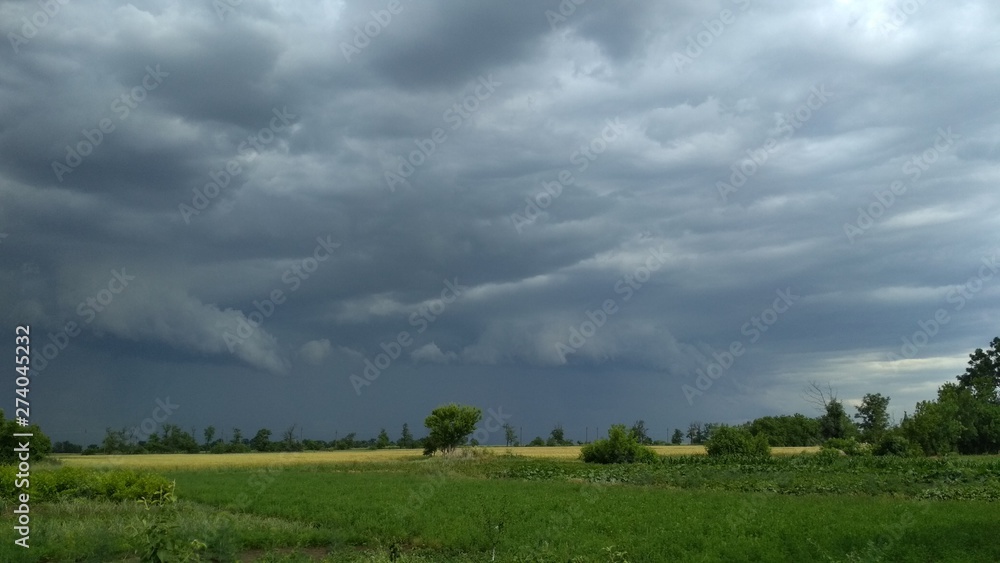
619	447
733	441
849	446
75	482
894	444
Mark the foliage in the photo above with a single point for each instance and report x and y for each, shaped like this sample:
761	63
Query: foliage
640	433
450	426
835	423
787	430
537	441
261	441
894	444
677	438
510	436
874	415
74	482
558	437
621	446
383	440
406	440
849	446
38	448
157	531
733	441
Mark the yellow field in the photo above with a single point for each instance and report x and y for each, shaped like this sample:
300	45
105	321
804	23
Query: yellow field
206	461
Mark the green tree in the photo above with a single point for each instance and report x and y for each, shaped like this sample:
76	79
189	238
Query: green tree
39	445
237	437
261	441
209	433
406	440
934	427
787	430
537	441
621	446
558	437
509	434
733	441
450	426
288	441
874	415
983	373
383	441
640	433
695	434
678	437
175	439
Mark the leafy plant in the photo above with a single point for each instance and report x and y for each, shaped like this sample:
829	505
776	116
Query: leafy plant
732	441
621	446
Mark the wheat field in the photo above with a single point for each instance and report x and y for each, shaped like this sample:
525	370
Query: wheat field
278	459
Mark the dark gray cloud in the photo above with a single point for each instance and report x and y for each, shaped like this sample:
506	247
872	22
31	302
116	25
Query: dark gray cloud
567	214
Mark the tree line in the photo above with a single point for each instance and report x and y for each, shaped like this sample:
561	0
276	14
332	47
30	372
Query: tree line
964	419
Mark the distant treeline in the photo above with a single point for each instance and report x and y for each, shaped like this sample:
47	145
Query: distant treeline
965	419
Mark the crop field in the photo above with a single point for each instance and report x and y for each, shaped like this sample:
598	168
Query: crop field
377	507
250	460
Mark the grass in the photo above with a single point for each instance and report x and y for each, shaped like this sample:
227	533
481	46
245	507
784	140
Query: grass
687	508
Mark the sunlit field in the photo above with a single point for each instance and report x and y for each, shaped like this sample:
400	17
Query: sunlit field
282	459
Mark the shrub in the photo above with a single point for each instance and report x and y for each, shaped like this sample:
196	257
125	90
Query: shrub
894	444
849	446
75	482
619	447
732	441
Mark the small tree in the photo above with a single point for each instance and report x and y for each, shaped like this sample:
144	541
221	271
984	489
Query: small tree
558	437
237	437
262	440
678	437
450	426
732	441
383	440
209	433
509	434
537	441
640	433
874	415
619	447
406	440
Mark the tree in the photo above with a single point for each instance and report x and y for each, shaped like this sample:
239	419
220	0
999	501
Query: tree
509	434
537	441
288	441
383	441
450	426
785	430
209	433
261	441
237	436
983	373
406	440
694	433
834	423
558	437
733	441
621	446
39	445
678	437
640	433
345	443
874	414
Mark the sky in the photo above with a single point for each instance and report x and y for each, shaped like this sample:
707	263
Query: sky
340	215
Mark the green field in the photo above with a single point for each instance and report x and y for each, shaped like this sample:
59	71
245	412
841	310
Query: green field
506	508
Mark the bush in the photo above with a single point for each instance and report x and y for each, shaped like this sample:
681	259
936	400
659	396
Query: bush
75	482
849	446
619	447
894	444
732	441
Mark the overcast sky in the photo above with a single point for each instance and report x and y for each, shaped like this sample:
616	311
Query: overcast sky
564	213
